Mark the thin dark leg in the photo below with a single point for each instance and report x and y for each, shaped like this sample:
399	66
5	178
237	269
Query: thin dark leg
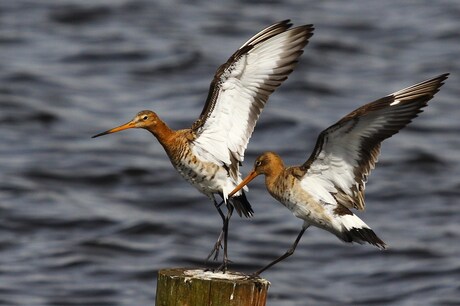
218	205
218	244
288	253
225	260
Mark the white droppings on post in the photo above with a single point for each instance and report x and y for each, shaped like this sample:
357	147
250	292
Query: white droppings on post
231	295
199	273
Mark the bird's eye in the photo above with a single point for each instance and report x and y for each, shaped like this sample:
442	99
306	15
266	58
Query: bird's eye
258	163
145	118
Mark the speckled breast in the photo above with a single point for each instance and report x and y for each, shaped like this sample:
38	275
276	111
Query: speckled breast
207	177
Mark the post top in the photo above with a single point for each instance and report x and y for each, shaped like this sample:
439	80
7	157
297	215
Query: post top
210	275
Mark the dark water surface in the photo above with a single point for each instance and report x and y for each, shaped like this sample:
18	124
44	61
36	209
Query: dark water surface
91	221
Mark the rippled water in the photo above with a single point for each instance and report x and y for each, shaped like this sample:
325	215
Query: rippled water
91	221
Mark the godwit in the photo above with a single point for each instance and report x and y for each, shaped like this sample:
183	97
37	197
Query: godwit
208	154
322	191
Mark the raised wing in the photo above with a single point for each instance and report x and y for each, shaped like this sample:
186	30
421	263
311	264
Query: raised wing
241	88
346	152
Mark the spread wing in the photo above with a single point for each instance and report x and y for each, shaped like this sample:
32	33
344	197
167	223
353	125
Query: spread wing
240	90
346	152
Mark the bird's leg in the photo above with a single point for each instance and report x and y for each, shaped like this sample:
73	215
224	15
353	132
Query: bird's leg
288	253
225	260
220	204
218	245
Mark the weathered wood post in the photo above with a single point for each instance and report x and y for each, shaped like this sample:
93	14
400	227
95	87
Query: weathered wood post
196	287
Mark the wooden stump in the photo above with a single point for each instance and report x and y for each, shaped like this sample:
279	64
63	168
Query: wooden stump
182	287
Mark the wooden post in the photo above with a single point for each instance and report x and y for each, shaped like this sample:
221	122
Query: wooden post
182	287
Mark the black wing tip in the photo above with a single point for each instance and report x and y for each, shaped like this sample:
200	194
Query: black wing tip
305	32
288	22
306	29
443	77
439	80
285	22
309	27
425	89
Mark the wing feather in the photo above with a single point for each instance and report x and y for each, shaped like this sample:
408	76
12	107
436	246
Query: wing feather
240	90
346	152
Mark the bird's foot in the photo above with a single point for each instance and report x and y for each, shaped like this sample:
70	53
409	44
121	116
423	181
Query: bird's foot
216	249
224	266
254	275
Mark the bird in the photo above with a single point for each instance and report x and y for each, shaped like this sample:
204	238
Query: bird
209	153
323	190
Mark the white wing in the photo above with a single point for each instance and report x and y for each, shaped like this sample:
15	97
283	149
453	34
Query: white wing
241	88
346	152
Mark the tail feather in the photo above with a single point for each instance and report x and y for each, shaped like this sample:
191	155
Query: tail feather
242	205
361	235
353	229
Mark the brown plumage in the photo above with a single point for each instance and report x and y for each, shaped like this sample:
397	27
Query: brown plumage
322	191
208	155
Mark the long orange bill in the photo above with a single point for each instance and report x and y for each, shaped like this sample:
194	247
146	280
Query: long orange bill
125	126
246	181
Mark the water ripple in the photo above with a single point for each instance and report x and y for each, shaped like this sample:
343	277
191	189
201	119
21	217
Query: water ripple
91	221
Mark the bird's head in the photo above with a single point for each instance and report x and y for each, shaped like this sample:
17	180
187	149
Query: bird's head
265	164
145	119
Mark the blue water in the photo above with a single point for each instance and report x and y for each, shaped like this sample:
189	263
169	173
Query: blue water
91	221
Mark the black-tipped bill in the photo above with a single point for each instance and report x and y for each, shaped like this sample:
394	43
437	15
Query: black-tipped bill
125	126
